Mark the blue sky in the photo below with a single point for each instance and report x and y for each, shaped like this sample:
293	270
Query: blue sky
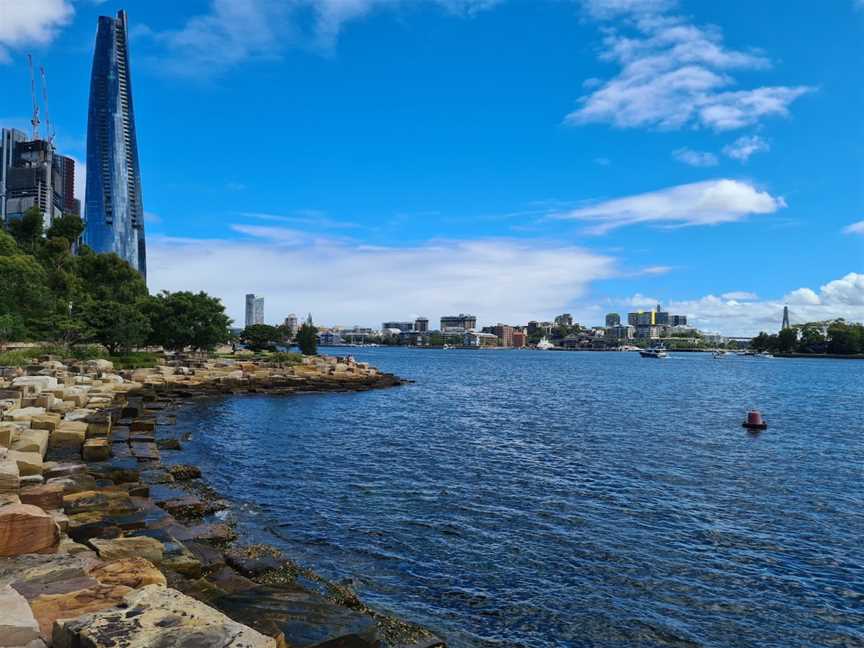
380	159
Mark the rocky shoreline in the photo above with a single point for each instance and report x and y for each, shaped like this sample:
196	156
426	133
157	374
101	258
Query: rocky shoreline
102	544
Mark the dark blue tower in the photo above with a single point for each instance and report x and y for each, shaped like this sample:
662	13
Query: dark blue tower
114	210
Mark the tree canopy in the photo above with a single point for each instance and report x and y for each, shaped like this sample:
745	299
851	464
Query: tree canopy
54	289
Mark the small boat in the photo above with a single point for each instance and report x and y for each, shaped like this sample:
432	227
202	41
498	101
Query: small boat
719	355
544	345
657	352
764	355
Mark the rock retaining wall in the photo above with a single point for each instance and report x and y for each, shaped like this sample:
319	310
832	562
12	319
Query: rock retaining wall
98	546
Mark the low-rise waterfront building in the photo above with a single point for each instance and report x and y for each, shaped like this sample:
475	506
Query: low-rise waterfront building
400	326
520	339
475	339
620	332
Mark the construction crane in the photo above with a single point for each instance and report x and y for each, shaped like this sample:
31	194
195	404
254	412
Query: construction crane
49	126
35	119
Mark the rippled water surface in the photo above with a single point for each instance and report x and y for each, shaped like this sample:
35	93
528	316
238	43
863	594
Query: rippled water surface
567	499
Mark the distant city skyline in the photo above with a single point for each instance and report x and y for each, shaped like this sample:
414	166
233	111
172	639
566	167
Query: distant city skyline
625	153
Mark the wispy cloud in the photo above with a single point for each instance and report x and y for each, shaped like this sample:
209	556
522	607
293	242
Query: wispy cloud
31	23
743	147
740	295
742	313
674	74
232	33
695	158
343	281
700	203
855	228
308	217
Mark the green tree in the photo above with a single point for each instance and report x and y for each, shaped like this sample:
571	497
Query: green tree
261	337
67	226
185	319
787	340
307	338
845	338
107	277
115	325
23	289
28	230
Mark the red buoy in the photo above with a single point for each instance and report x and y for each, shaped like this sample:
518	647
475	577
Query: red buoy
754	421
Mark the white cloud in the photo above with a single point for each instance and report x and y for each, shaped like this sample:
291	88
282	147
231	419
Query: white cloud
855	228
695	158
674	75
842	297
740	295
802	296
343	281
700	203
743	147
606	9
31	22
232	32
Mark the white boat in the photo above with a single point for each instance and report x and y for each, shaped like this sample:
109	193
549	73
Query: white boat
658	352
544	345
719	355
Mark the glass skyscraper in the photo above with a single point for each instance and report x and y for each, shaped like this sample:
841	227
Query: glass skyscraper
114	211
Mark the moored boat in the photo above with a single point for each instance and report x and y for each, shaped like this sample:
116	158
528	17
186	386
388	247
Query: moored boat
657	352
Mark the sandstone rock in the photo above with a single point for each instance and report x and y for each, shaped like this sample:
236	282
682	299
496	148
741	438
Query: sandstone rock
183	472
100	365
49	608
29	463
74	483
26	529
33	440
18	626
300	618
117	548
9	476
60	518
143	425
6	499
45	496
64	469
144	451
94	524
46	421
96	450
132	572
158	616
23	414
78	414
35	383
68	434
109	501
230	581
6	432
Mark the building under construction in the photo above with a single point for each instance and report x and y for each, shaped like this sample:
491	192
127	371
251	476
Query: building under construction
32	173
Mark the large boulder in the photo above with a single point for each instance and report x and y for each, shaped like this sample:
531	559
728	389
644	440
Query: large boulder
130	547
29	463
33	440
9	476
45	496
132	572
50	607
18	626
157	616
300	618
27	529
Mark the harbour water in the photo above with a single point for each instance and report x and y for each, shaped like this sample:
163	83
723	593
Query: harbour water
566	499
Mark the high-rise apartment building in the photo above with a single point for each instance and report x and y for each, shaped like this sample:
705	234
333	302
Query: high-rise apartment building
291	324
613	319
421	325
254	310
114	210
